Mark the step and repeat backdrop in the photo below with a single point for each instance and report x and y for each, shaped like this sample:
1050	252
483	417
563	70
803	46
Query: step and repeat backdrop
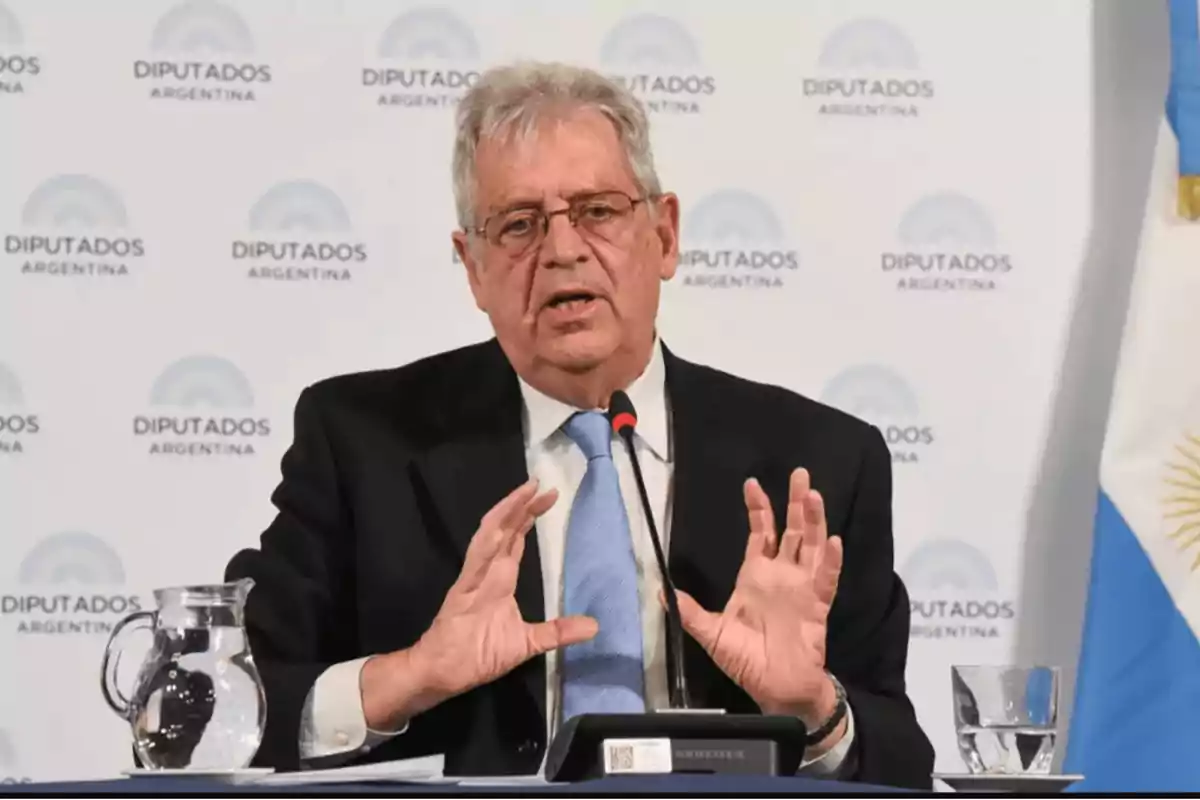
205	206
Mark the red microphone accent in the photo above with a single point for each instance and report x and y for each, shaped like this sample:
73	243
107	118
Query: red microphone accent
624	420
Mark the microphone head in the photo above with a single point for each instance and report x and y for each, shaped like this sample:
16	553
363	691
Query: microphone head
621	415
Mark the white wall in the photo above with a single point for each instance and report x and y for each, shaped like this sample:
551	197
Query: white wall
1008	372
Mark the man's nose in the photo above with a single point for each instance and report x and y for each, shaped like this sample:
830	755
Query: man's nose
562	245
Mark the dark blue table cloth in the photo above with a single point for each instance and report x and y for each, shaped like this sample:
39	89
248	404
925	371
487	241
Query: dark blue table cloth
682	785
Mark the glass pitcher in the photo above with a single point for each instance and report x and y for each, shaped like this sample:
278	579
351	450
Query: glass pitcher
198	700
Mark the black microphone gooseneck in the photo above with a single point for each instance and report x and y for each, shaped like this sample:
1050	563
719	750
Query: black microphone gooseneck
623	418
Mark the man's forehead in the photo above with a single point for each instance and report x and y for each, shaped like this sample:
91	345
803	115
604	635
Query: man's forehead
550	166
562	158
582	139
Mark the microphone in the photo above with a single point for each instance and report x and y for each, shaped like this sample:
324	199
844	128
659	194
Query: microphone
623	418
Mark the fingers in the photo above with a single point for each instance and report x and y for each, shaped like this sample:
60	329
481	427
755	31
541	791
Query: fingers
807	531
816	531
794	533
515	499
761	541
703	626
506	521
536	508
560	632
825	582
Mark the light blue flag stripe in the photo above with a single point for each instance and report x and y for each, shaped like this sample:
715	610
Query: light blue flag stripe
1136	722
1183	95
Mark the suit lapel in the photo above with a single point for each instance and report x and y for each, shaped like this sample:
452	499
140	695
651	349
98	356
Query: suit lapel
709	524
478	459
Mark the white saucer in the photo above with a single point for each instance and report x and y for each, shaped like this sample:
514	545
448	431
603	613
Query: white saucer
224	775
1009	784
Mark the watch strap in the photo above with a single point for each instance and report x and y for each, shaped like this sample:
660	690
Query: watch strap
835	719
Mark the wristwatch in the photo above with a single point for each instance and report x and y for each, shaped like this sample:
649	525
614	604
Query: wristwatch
835	719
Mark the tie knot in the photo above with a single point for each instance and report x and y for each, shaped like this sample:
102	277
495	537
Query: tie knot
591	431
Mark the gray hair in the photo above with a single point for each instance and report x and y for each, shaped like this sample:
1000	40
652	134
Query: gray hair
513	99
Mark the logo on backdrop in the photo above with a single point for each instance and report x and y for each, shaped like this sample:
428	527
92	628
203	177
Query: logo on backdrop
299	231
201	407
656	58
876	394
954	593
946	242
17	423
868	68
202	51
9	763
19	66
70	583
733	239
74	226
427	58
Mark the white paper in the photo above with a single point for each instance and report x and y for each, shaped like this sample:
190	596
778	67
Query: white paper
502	780
427	769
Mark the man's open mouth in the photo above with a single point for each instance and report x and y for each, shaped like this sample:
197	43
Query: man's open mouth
571	299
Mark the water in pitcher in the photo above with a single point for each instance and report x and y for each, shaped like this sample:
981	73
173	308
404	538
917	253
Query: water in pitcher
200	710
1007	750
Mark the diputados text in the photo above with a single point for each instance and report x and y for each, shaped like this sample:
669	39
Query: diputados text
69	604
17	424
740	259
963	609
946	262
908	434
669	84
20	65
420	78
99	246
892	88
67	614
301	251
201	426
198	70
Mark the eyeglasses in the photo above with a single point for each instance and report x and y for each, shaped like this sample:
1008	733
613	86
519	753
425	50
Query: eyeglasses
516	231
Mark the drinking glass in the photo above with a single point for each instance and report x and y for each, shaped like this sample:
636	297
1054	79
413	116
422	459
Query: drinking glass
1006	718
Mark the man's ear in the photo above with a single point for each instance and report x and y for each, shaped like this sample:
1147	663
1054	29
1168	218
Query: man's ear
666	226
462	247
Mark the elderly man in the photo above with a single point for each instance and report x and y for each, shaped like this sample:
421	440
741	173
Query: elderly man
460	560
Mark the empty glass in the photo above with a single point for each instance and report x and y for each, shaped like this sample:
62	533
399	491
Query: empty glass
198	701
1006	718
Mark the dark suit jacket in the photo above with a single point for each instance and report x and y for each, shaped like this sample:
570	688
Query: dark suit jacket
391	471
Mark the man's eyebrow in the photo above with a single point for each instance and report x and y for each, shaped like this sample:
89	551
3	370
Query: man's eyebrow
521	201
517	202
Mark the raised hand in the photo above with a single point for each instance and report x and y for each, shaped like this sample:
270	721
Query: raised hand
770	637
478	634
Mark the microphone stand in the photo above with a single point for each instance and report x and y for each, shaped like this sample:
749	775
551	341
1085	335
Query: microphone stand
678	682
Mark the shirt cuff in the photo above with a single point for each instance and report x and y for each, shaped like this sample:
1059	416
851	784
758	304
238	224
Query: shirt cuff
332	721
830	763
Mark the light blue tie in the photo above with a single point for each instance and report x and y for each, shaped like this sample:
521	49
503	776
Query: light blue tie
603	675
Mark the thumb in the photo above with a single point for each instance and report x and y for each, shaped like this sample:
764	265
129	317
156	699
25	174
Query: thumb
561	632
701	624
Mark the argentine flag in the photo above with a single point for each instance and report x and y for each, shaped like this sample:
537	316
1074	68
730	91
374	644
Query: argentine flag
1136	722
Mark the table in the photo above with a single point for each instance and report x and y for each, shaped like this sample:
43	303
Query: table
639	786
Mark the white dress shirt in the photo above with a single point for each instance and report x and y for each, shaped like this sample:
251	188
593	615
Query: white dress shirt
333	727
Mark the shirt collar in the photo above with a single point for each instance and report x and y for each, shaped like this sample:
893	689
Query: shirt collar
544	415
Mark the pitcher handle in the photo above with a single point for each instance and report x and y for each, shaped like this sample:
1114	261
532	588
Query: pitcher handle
113	695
